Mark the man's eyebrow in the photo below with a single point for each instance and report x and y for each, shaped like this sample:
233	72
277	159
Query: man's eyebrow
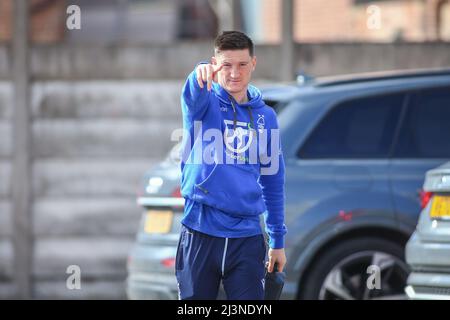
224	62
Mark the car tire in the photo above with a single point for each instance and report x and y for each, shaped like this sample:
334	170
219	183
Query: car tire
334	274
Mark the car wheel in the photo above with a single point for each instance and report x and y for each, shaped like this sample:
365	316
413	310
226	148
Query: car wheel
357	269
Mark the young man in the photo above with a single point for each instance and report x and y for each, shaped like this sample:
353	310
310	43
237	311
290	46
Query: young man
232	171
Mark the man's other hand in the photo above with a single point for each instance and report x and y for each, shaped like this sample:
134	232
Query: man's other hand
278	256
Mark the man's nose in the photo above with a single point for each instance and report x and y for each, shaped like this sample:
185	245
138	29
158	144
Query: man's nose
235	72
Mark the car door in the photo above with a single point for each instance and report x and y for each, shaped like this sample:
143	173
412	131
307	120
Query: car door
340	182
423	142
343	165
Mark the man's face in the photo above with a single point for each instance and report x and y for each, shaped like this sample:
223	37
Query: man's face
237	69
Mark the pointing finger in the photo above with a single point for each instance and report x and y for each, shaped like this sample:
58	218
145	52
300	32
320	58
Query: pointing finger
199	77
209	75
217	68
204	75
216	71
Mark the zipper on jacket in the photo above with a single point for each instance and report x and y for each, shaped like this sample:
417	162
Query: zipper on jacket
203	189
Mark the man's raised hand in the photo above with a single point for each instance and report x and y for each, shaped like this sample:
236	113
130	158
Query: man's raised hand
207	73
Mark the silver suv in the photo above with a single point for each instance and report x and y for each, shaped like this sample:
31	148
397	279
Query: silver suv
356	150
428	250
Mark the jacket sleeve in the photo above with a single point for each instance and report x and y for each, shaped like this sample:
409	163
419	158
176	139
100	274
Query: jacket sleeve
272	183
194	100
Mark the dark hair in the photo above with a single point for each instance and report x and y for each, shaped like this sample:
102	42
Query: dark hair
233	40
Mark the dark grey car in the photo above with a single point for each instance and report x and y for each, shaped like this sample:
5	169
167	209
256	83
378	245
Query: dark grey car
356	150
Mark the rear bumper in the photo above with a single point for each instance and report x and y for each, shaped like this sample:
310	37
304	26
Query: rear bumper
421	254
144	286
147	278
430	262
428	286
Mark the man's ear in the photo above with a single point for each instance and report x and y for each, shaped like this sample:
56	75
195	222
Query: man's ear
213	60
254	62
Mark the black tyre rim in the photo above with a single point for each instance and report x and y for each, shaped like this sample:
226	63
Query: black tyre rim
355	278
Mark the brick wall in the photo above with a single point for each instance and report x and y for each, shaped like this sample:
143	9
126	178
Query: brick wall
314	20
343	20
47	20
5	19
322	20
396	17
271	16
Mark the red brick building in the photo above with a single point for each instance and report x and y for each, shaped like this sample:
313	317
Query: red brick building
47	20
314	20
361	20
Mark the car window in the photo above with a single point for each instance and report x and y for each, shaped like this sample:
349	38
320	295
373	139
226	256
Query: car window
425	131
361	128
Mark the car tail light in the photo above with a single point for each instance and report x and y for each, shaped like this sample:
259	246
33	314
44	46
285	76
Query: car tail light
425	197
169	262
176	193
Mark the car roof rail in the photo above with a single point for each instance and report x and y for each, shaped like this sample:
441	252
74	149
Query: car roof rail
379	75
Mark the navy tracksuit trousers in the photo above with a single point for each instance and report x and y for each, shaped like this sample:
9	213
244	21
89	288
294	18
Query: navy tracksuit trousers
203	261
